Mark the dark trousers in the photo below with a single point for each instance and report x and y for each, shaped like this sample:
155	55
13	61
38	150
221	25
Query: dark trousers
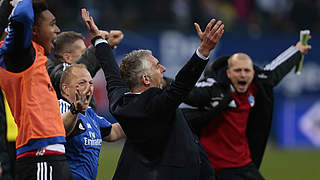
53	167
247	172
7	159
206	170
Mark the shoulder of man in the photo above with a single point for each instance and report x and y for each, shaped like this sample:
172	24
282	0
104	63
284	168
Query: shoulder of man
64	106
51	64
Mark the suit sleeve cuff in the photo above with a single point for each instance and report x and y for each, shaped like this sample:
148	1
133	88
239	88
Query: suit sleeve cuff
201	56
100	41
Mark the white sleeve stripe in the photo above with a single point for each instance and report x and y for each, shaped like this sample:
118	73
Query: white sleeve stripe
50	173
38	171
281	58
45	171
208	82
41	171
64	106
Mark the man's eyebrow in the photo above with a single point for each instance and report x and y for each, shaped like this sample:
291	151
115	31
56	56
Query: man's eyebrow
53	20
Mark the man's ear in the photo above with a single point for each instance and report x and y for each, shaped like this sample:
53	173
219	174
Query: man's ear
67	57
228	72
64	90
146	80
35	31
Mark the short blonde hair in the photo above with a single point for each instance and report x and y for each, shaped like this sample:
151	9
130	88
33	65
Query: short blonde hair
66	75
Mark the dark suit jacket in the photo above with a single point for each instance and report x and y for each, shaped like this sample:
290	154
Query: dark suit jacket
160	144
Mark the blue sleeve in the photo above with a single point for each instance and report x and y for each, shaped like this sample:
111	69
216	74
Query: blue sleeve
104	123
108	116
19	30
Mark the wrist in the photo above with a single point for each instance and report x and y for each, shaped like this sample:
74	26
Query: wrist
94	39
204	52
73	109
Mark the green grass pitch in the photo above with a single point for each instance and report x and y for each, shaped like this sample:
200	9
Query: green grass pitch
277	164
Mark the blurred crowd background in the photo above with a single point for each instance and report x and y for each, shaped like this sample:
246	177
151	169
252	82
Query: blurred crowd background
246	16
261	28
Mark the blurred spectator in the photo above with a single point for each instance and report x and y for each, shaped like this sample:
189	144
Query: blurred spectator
181	10
252	16
243	9
304	14
219	9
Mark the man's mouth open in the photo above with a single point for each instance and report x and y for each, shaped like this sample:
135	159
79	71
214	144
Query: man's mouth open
242	86
242	83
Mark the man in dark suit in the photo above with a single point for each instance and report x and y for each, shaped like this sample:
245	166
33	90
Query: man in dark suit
160	144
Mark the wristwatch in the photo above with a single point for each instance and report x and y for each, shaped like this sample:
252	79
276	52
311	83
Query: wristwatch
73	109
93	40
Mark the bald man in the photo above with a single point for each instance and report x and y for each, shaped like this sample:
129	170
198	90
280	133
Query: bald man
235	115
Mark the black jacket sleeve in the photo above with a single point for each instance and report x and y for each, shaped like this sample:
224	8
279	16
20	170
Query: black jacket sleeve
89	59
172	95
52	64
199	96
116	87
283	64
5	10
198	118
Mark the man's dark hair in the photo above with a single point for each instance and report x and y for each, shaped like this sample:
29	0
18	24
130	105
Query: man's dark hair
38	7
64	42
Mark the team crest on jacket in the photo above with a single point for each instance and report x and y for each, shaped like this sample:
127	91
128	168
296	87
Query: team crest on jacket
251	100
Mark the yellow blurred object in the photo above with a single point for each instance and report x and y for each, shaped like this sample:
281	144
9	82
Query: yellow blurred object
12	129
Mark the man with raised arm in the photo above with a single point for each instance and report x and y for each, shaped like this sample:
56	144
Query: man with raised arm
30	95
160	145
86	130
235	111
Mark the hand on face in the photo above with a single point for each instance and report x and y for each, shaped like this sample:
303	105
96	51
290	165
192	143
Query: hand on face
210	37
83	97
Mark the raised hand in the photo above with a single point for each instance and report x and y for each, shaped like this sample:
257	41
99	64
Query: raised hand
210	37
115	36
104	34
82	97
13	2
303	48
88	20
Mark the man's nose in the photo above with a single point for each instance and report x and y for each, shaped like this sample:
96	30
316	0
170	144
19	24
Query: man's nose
242	73
57	29
163	69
